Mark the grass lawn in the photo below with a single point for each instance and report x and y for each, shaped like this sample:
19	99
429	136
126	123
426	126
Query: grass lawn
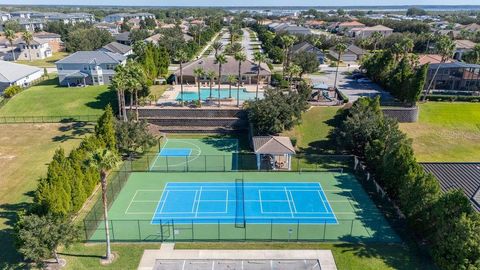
347	256
157	90
47	62
25	150
312	133
49	99
446	132
87	256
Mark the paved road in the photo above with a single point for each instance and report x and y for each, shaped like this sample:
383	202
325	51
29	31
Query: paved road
348	86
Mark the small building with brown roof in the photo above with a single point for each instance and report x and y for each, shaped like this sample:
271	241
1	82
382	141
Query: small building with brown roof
431	59
273	152
462	46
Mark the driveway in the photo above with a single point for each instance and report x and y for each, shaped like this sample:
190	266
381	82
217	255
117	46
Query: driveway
348	86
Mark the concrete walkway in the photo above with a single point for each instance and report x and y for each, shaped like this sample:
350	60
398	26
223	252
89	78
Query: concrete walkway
167	252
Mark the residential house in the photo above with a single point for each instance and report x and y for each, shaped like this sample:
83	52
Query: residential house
289	28
351	54
463	176
115	47
122	17
315	24
88	68
473	27
346	26
21	14
17	74
31	25
367	32
431	59
134	23
450	33
248	71
54	40
112	28
454	77
307	47
37	50
124	38
154	39
462	46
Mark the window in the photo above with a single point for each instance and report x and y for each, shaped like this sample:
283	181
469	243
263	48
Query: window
100	78
95	79
38	55
84	67
60	67
110	66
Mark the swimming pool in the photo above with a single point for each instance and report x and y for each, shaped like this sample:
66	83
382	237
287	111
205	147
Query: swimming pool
205	93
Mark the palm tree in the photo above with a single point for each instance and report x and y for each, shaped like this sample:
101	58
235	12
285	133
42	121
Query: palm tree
340	48
259	58
240	57
294	70
376	36
217	46
235	48
28	38
119	84
10	35
211	76
181	57
220	60
231	80
199	73
445	47
288	41
104	160
428	37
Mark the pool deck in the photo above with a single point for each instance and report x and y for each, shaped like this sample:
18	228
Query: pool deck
168	252
169	97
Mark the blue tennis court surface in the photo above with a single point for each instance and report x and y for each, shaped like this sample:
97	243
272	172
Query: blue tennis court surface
255	202
175	152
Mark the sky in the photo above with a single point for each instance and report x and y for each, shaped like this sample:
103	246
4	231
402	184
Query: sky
243	2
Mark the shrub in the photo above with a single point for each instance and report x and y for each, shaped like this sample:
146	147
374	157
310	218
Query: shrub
452	98
11	91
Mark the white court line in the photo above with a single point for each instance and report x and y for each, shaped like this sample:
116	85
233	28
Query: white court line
164	202
135	195
226	203
146	201
321	199
261	202
329	206
291	212
199	199
194	200
131	201
293	202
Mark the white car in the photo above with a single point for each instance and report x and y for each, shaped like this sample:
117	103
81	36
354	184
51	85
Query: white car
364	80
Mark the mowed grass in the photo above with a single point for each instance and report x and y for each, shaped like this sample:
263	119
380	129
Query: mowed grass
347	256
446	132
49	99
312	132
25	150
87	256
47	62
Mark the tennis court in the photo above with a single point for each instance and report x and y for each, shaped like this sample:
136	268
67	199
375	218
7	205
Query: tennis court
251	202
239	206
191	155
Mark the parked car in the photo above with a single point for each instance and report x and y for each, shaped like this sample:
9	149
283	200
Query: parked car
364	80
357	76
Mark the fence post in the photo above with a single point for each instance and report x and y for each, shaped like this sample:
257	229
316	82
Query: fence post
161	229
351	228
324	229
139	231
85	228
193	232
148	163
271	230
166	161
218	229
205	158
298	228
224	167
186	162
113	233
173	230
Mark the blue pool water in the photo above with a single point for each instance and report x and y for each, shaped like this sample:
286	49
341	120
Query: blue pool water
255	202
205	93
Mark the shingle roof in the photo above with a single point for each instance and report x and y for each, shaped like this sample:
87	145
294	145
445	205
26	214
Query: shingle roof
98	57
125	36
12	72
276	145
453	65
464	44
116	47
464	176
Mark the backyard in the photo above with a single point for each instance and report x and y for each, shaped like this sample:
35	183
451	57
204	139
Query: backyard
446	132
47	62
49	99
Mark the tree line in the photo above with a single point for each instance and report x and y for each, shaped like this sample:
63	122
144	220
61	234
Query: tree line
446	222
397	71
70	180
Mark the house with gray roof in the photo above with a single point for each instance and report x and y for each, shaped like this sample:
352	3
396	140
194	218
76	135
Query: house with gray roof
307	47
17	74
352	54
88	68
115	47
462	175
37	49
